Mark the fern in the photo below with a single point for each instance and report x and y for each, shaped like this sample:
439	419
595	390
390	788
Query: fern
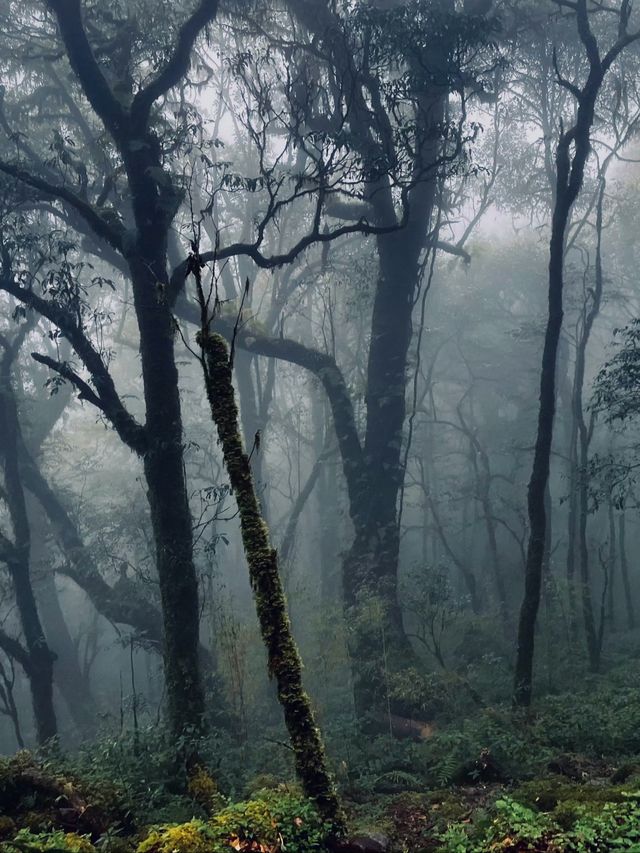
398	779
446	769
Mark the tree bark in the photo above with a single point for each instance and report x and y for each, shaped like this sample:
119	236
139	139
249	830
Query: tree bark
285	664
571	157
155	198
69	679
39	659
624	571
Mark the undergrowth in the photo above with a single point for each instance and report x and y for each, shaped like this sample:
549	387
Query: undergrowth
566	777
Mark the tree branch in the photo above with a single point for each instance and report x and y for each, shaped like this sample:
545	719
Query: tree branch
324	367
85	65
130	431
453	249
15	650
99	225
178	64
63	369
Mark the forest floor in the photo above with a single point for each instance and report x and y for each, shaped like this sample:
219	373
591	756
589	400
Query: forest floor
45	811
565	779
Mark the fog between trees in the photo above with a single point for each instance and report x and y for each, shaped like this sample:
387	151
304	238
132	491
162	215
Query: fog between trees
407	232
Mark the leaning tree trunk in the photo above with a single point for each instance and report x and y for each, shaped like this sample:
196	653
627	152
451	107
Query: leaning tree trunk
284	659
542	455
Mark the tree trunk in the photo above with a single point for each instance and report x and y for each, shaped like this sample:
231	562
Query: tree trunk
542	453
571	156
624	571
612	560
283	656
590	628
69	678
168	498
17	558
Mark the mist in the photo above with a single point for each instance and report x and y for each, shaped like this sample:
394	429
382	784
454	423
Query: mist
319	426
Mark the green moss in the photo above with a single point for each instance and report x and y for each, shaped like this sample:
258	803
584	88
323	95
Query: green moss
57	842
277	820
42	796
191	837
204	790
546	795
283	657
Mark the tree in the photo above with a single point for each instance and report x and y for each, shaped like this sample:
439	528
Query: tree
35	657
384	146
571	156
284	660
125	108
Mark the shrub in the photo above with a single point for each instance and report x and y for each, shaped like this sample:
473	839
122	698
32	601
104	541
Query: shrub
274	820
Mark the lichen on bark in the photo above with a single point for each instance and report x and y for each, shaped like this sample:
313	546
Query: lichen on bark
285	664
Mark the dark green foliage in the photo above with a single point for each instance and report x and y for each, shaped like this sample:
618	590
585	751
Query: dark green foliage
572	827
617	388
573	767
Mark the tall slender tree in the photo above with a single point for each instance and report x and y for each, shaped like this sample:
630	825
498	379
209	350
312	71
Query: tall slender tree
572	152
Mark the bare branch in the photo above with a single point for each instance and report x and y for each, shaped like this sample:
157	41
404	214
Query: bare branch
453	249
562	81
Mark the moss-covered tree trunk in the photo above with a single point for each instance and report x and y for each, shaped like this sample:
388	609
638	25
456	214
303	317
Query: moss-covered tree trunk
285	664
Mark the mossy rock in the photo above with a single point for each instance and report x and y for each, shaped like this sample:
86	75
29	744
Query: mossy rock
627	772
546	795
203	789
38	798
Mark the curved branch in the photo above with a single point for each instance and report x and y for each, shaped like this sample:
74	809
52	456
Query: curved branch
98	224
16	651
324	367
178	64
130	609
130	431
289	536
453	249
252	250
93	82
